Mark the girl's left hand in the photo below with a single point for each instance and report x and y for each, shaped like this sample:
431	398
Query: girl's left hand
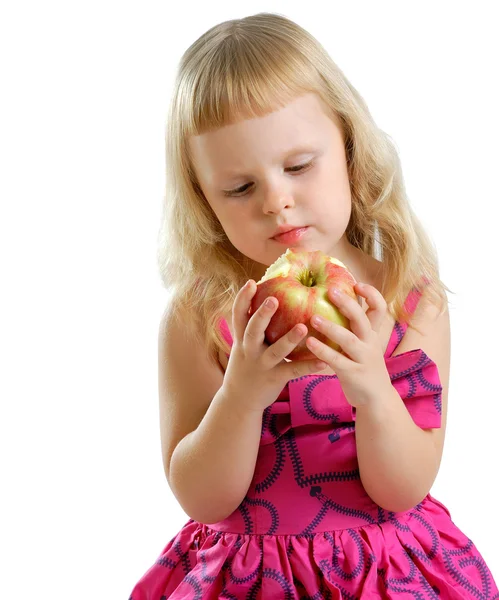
360	367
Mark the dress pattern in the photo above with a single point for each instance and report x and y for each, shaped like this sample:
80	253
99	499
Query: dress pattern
307	529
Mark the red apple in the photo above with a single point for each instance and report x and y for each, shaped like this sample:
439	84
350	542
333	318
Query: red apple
300	279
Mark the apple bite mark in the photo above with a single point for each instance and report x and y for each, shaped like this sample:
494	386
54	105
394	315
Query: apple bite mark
299	280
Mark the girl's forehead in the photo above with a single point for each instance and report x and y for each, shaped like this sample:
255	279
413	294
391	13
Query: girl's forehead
301	122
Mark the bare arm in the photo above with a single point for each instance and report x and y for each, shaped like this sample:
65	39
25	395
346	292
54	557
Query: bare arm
212	467
211	421
398	461
209	445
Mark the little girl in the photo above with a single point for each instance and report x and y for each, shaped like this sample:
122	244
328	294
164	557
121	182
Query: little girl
304	478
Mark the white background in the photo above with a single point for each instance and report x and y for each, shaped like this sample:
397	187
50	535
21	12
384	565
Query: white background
85	507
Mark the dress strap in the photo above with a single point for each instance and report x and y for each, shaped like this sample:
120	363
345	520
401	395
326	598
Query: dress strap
224	328
410	304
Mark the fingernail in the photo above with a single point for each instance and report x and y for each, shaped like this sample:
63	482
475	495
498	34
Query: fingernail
298	332
316	320
269	303
337	293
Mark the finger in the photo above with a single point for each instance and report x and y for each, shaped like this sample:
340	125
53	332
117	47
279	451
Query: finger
338	334
254	335
336	360
278	351
377	304
299	368
351	309
240	309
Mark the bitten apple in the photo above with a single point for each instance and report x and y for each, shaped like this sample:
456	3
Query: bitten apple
300	279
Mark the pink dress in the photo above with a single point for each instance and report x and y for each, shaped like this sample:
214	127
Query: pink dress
307	530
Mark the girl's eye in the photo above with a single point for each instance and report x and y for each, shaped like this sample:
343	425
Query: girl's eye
241	190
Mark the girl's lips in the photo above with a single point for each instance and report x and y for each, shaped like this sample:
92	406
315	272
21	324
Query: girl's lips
290	236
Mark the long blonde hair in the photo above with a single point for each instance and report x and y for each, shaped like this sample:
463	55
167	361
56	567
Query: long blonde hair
246	68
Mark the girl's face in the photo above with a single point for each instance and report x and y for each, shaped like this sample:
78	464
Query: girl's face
287	168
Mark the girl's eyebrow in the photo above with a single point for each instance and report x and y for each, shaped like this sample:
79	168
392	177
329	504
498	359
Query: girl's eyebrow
302	149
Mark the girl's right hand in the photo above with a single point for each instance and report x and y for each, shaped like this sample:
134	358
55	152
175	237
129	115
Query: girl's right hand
256	372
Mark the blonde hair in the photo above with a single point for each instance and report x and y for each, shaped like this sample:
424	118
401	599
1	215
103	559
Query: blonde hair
246	68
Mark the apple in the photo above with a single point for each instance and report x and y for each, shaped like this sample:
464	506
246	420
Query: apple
300	279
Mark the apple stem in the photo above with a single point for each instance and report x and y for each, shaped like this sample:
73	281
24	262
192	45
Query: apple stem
308	278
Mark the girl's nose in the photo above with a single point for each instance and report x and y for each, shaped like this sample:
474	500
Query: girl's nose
275	201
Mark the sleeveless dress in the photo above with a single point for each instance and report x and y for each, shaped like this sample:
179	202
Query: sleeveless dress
307	530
